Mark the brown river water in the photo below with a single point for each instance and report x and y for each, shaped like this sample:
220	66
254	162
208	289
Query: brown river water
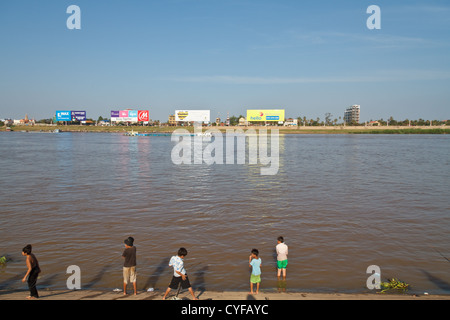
342	203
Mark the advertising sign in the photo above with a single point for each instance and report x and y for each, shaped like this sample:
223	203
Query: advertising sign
63	115
115	114
143	115
78	115
192	115
130	116
265	115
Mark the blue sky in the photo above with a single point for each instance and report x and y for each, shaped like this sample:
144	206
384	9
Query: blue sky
308	57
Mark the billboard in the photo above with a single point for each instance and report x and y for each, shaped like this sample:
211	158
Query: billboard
265	115
193	115
63	115
78	115
143	115
130	116
115	114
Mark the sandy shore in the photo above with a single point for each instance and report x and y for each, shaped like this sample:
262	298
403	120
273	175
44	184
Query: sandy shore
211	295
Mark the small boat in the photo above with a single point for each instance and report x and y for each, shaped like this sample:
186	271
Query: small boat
131	133
147	134
204	134
56	131
8	129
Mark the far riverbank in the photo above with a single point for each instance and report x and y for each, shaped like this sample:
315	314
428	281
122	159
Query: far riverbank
282	130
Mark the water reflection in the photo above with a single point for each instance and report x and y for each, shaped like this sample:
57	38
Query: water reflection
64	154
281	285
343	202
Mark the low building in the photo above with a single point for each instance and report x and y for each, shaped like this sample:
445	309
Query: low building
291	122
24	121
243	122
103	123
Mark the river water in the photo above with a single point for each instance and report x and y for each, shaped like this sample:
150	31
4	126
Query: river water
342	203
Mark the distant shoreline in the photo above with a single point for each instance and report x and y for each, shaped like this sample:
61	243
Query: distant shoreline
282	130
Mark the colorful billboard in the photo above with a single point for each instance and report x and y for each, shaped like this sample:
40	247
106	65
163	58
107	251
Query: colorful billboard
130	116
193	115
265	115
143	115
115	114
78	115
63	115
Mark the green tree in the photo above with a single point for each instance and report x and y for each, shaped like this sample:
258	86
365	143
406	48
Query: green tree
234	121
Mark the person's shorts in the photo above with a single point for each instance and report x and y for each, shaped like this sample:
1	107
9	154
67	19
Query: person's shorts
255	279
282	264
177	280
129	274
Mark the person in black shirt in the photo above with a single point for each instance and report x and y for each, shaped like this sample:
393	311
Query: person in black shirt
129	265
32	273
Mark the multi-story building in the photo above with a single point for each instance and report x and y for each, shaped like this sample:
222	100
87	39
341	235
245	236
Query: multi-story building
351	114
172	121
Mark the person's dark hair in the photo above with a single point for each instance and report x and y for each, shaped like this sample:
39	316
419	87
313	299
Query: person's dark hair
27	249
255	252
281	239
129	241
182	252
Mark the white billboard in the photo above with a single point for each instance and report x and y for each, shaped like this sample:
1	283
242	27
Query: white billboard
193	115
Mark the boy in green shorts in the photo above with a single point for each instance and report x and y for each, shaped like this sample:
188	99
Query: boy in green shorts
282	253
255	263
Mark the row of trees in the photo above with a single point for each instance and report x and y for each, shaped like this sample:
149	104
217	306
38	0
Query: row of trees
329	121
304	121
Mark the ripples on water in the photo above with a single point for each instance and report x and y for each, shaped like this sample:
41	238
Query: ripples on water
342	202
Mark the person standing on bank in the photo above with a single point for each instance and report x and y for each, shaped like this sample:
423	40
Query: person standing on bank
282	260
179	277
32	272
254	262
129	265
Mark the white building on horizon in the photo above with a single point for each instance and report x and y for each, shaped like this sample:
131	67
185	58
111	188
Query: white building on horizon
352	114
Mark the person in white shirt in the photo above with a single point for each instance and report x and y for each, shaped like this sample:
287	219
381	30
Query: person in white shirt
179	274
282	260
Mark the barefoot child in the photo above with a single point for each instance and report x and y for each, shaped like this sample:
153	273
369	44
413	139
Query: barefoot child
32	272
255	263
282	260
129	265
